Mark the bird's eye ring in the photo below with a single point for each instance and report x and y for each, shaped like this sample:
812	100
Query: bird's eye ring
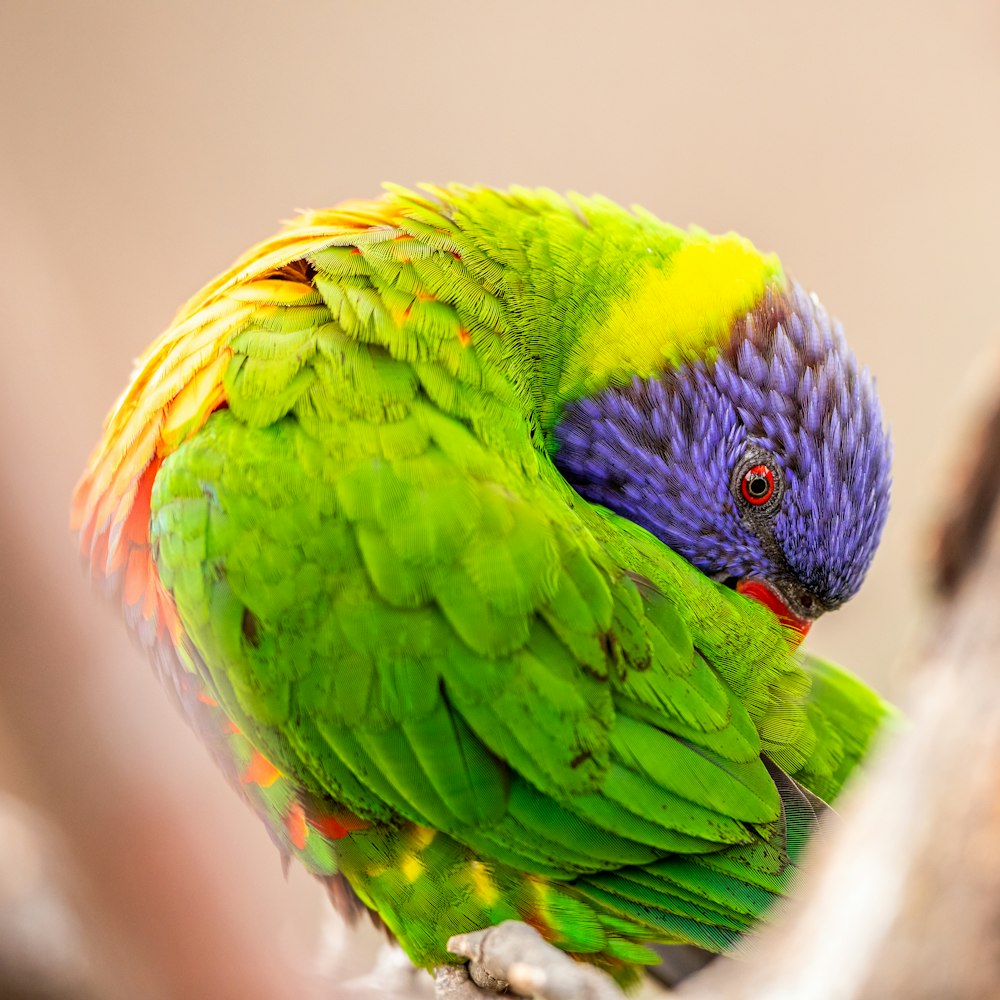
757	485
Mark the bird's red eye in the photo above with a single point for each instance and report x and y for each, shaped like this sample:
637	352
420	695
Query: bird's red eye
758	485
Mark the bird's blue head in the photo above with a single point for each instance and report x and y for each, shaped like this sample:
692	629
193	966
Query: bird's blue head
766	467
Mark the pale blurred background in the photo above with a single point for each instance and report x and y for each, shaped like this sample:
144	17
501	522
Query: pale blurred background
145	145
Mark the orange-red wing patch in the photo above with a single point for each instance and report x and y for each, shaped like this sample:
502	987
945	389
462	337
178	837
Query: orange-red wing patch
260	771
295	826
336	827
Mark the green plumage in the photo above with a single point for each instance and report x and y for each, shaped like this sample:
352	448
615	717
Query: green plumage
542	711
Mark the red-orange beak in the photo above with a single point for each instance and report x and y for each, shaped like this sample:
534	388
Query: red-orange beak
771	600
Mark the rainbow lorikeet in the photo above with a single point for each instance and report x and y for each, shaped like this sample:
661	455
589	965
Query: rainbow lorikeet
475	532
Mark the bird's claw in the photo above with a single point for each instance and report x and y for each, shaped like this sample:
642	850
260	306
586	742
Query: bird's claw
516	958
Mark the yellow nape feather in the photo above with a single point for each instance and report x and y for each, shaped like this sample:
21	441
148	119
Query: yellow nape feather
678	311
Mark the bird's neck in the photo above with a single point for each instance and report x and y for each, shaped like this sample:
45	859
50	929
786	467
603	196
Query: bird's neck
596	295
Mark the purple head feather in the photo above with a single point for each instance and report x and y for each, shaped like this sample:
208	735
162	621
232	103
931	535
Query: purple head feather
669	452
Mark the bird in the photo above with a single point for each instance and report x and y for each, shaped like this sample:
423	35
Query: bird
476	532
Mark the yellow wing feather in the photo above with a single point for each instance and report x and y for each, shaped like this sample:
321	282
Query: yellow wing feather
177	384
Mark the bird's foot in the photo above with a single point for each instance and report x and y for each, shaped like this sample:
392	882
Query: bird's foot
513	957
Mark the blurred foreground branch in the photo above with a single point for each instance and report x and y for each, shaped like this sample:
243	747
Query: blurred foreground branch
42	954
166	908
